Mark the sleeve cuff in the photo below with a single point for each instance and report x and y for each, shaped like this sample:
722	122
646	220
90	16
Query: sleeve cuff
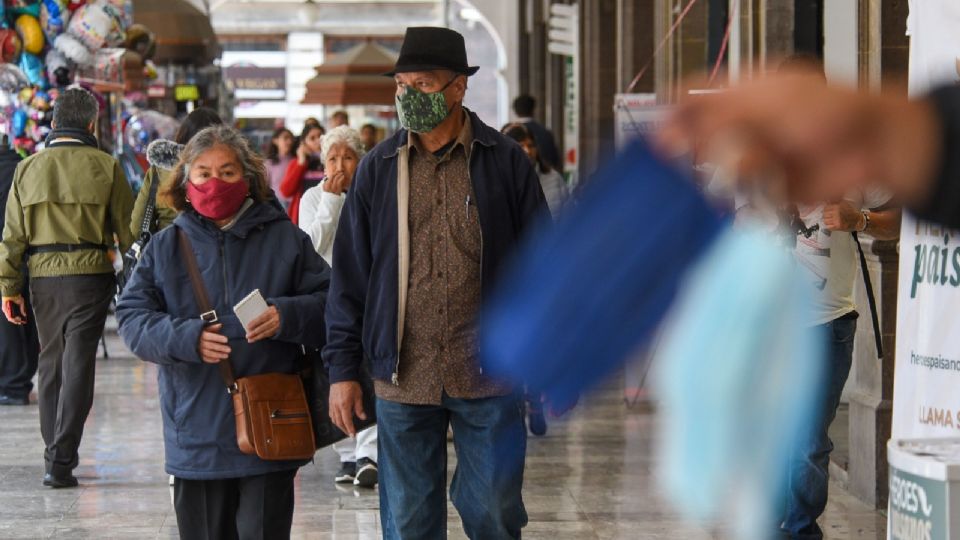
185	347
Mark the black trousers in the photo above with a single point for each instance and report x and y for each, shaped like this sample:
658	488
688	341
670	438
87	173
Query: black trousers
70	312
252	508
19	349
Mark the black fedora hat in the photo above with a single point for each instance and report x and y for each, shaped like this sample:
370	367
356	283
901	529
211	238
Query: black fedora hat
428	48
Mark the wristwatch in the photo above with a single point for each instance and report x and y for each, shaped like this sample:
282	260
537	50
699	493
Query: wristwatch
866	220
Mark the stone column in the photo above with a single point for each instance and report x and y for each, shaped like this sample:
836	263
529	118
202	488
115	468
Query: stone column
598	83
776	31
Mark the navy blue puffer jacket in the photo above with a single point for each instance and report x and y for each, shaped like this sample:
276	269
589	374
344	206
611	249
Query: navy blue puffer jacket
159	321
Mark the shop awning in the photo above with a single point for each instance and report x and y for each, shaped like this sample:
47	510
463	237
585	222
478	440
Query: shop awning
184	34
354	77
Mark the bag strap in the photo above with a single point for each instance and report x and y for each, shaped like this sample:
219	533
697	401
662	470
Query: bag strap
208	314
871	299
148	214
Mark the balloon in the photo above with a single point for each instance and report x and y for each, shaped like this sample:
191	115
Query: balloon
12	79
146	126
74	5
25	7
30	32
33	68
10	46
19	122
53	17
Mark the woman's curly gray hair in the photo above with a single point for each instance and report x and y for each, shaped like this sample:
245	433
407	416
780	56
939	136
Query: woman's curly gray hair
342	135
253	170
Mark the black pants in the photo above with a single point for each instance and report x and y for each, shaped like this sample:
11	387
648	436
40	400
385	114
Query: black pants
19	348
251	508
70	313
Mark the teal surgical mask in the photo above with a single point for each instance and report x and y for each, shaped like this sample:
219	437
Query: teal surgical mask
421	112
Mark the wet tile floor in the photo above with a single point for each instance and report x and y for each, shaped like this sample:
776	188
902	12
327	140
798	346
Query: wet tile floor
589	478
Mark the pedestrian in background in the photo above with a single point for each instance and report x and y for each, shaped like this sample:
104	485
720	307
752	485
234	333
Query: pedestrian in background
19	346
237	235
551	181
66	204
163	156
524	107
282	150
319	215
304	172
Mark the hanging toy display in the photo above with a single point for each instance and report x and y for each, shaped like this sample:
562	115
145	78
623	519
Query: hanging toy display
53	18
60	70
24	7
141	41
10	46
30	34
90	29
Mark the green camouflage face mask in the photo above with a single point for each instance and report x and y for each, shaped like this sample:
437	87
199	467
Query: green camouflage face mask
420	112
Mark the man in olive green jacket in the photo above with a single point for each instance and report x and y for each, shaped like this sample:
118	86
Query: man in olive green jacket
65	207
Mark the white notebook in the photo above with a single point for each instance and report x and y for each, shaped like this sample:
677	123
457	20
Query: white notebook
250	308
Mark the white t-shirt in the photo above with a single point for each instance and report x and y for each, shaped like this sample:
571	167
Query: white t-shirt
830	259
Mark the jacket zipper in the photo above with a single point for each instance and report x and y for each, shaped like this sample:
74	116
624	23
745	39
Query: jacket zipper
223	266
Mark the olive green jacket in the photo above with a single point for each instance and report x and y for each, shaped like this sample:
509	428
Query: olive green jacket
164	215
69	193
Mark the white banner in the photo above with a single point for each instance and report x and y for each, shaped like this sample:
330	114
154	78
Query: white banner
926	399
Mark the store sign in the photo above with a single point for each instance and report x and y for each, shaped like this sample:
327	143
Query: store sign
917	508
636	115
926	402
254	82
186	92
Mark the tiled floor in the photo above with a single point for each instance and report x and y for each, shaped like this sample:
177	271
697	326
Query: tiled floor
590	478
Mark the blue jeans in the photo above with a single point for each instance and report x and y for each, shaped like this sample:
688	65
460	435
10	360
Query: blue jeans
808	475
490	439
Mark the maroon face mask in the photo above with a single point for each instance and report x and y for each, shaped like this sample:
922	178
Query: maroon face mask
216	199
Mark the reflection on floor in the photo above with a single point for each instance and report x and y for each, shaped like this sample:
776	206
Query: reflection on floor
589	478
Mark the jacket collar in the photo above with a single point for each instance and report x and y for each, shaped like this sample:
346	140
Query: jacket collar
482	134
255	217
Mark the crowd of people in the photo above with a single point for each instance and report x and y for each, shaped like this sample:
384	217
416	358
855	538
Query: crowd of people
386	253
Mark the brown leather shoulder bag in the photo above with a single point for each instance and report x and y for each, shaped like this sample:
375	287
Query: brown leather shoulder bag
271	412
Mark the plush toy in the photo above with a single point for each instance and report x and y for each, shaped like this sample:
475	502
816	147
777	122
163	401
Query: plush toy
53	18
12	79
60	70
33	68
10	46
91	28
30	33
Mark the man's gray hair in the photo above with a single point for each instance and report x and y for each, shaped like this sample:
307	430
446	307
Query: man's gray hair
253	171
342	135
75	108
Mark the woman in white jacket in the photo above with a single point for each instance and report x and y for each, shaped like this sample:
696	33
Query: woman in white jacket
341	150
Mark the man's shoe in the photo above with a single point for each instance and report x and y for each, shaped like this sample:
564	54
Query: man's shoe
57	482
347	473
11	400
366	473
537	422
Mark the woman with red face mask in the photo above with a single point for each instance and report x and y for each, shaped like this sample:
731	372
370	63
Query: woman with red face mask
304	172
237	235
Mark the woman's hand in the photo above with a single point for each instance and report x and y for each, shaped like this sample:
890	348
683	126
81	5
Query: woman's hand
336	183
302	154
265	326
213	345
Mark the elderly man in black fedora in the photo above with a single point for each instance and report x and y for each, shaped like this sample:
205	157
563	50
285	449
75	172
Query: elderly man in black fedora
431	217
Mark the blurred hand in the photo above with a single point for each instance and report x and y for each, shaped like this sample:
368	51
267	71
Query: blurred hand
346	399
823	141
19	318
843	217
302	154
213	345
337	183
265	326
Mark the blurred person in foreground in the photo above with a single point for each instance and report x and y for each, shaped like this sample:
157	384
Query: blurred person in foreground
237	234
65	207
19	347
319	215
410	272
282	150
163	156
825	141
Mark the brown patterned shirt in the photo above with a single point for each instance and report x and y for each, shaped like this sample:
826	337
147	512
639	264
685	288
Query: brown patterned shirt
439	349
